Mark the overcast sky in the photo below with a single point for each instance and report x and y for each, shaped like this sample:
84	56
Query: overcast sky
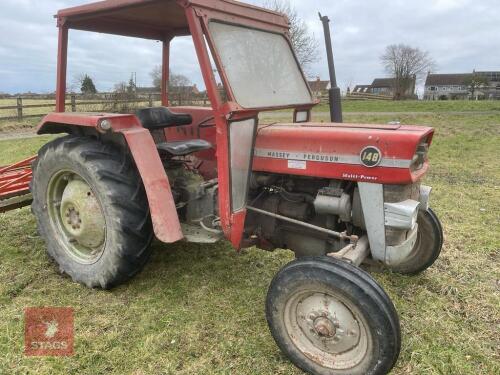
461	35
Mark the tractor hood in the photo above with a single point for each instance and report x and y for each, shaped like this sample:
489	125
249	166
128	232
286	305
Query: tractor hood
388	154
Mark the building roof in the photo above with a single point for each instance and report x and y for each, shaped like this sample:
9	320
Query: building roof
379	83
383	82
446	79
189	89
490	76
318	85
147	90
361	88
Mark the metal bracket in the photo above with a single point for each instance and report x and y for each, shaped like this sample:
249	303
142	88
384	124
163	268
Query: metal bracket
372	202
354	253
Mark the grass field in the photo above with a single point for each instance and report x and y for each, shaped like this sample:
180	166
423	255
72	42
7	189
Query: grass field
200	309
445	108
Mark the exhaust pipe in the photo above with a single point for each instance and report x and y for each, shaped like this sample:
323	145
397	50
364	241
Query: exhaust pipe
334	92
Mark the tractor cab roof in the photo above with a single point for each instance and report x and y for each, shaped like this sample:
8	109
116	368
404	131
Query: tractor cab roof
159	19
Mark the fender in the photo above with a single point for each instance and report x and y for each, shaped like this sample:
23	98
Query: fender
166	223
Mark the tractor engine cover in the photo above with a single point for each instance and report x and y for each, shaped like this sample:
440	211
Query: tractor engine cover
382	154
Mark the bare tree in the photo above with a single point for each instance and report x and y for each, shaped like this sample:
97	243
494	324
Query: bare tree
474	82
175	80
406	65
156	75
304	43
120	87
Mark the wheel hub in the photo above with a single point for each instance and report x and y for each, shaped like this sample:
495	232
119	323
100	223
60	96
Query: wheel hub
327	323
324	327
82	215
73	217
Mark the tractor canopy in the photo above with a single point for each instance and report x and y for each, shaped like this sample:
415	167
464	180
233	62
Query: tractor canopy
249	46
155	19
246	47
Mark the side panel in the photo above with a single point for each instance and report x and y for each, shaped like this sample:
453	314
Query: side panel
141	144
372	202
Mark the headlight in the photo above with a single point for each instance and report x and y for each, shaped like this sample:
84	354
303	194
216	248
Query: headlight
420	156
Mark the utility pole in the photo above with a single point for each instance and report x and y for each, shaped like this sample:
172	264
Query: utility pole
334	92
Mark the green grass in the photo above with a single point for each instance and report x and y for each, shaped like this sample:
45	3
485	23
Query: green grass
418	106
200	309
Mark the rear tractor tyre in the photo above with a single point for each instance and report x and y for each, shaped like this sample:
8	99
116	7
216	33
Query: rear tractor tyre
91	210
332	318
428	246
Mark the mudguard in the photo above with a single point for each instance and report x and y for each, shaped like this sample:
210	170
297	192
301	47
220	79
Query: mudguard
166	223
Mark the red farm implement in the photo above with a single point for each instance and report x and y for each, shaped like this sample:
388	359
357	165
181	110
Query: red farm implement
15	185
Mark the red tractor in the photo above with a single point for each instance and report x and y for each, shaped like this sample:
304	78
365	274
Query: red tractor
335	194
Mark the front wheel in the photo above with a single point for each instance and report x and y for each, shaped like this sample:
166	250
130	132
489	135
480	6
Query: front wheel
428	246
332	318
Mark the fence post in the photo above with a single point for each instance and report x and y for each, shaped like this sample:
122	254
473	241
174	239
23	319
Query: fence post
19	108
73	103
150	97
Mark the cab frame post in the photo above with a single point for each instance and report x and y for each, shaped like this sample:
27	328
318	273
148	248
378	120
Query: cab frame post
62	63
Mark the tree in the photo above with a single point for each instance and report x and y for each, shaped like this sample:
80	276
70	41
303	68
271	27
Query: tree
121	87
131	87
87	86
304	43
474	82
175	80
156	74
406	65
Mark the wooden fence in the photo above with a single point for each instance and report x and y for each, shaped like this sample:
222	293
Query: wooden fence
366	96
108	104
124	104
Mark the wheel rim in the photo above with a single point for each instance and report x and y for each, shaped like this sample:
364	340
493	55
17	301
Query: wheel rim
327	328
77	215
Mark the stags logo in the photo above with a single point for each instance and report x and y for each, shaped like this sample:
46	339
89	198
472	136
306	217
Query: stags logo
48	331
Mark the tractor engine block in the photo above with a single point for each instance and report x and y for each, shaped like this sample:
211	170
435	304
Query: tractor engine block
196	199
329	204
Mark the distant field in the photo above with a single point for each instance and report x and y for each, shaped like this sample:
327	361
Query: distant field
200	309
348	106
418	106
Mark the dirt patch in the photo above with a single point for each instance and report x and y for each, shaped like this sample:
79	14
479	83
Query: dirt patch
5	136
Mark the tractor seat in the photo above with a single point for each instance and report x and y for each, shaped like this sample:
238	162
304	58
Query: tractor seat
183	148
161	117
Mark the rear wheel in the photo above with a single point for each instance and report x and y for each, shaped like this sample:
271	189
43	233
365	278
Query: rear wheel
91	210
427	247
331	318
